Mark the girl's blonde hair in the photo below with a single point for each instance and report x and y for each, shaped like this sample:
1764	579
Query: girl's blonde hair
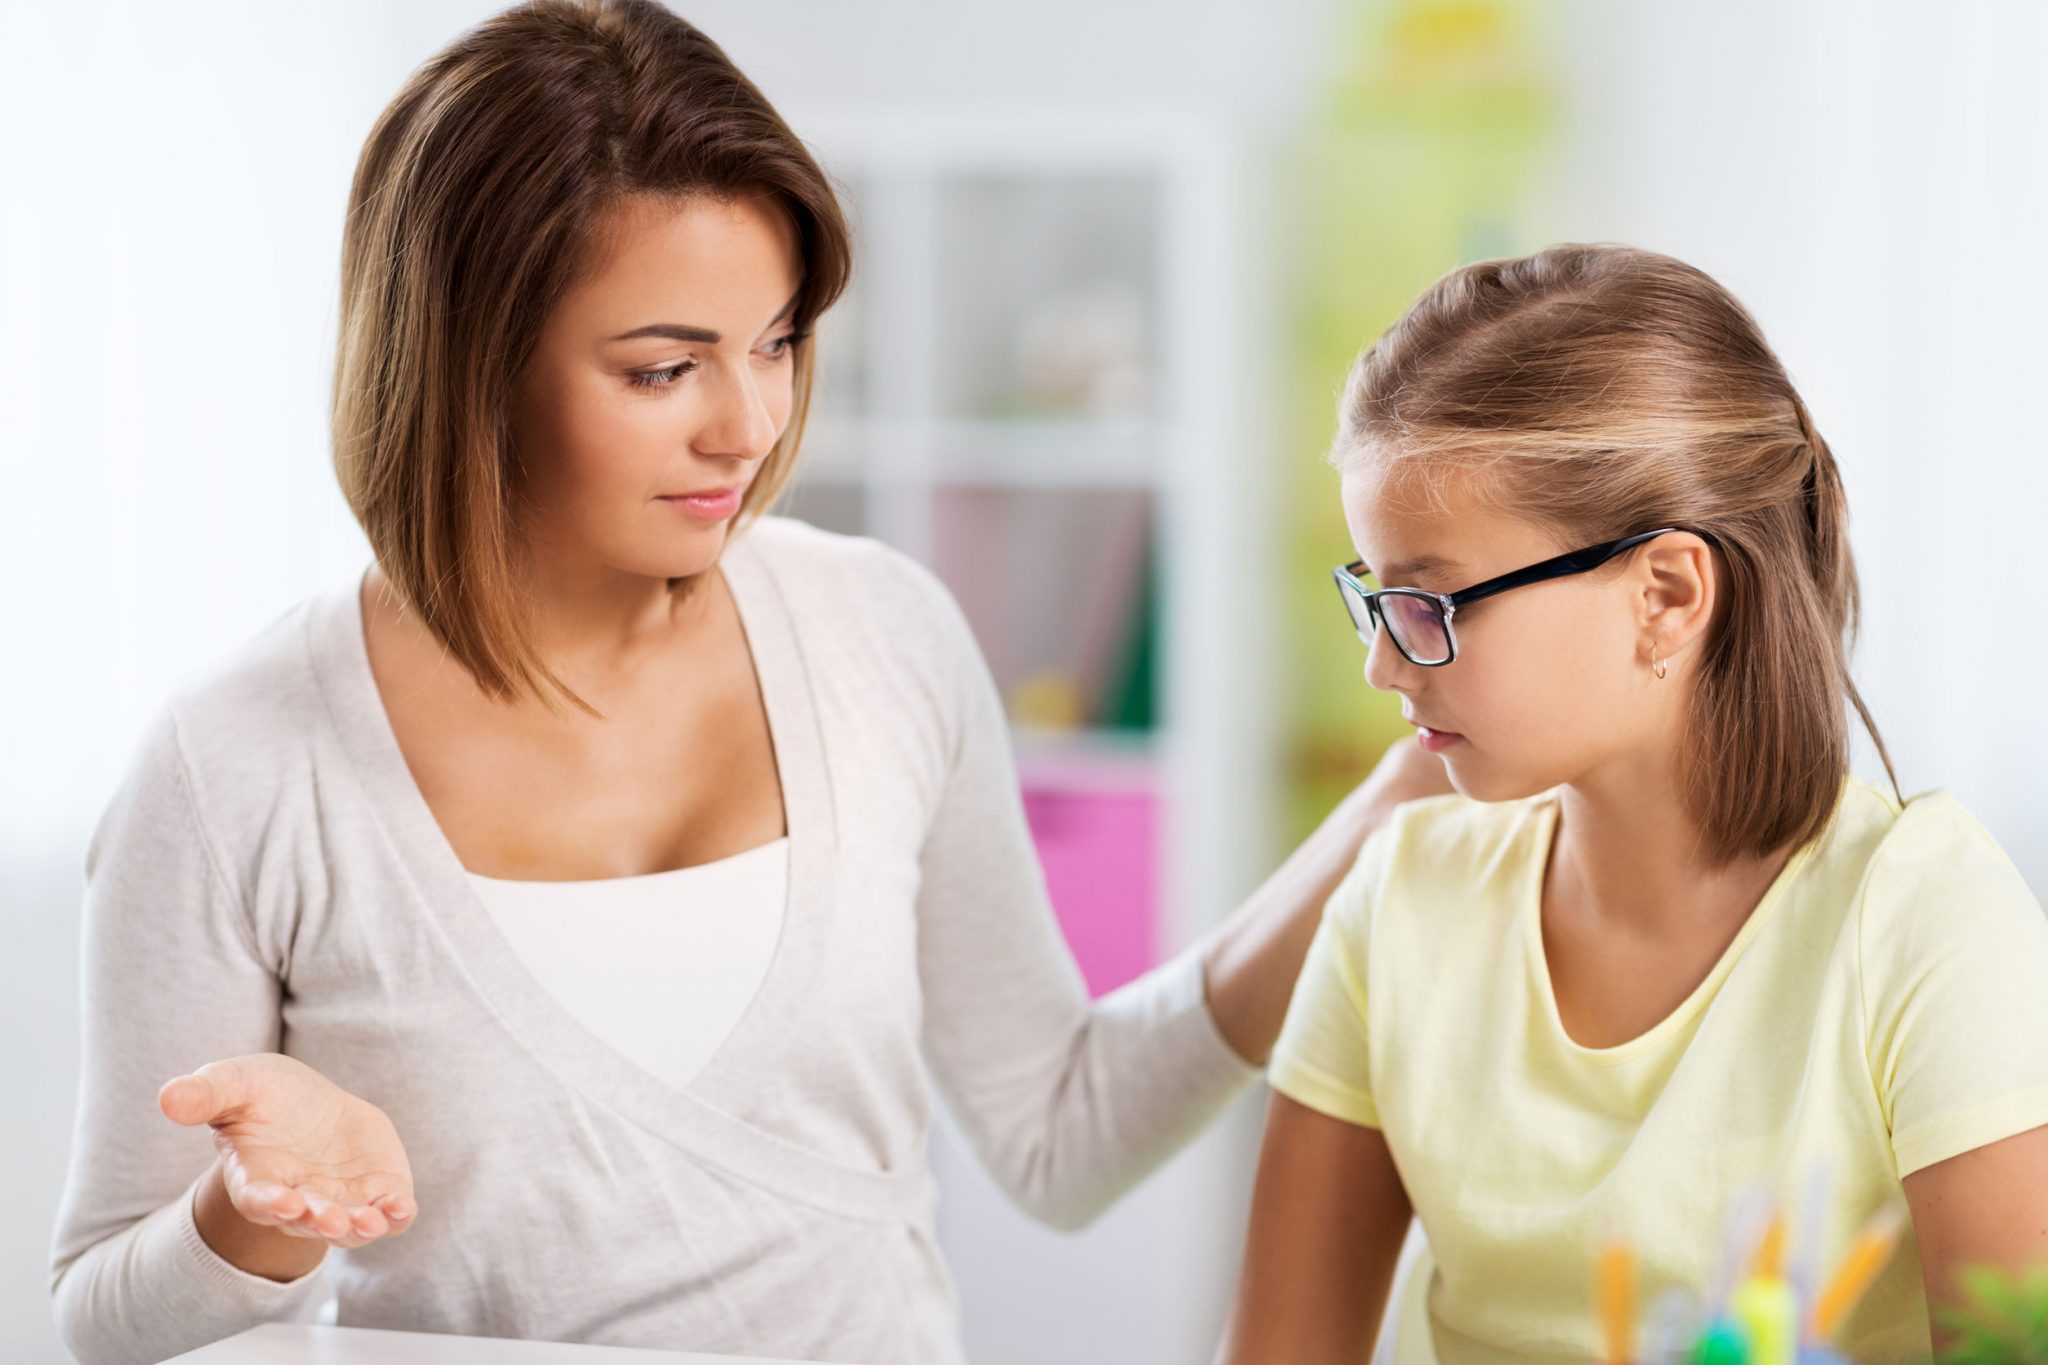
1602	391
480	194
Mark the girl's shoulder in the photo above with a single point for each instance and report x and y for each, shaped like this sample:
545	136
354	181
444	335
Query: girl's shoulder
1925	845
1931	825
1950	953
1449	858
1923	866
1457	829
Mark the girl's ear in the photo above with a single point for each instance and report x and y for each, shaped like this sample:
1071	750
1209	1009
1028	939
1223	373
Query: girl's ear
1677	582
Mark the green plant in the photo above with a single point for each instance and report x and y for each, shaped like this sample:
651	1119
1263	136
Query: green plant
2003	1322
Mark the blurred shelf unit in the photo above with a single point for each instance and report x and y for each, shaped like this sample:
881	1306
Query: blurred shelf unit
1022	390
1029	388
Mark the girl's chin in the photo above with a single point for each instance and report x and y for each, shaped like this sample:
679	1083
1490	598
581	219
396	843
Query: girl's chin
1477	781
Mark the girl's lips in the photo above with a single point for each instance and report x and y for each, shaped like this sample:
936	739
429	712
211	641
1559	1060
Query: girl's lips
1436	741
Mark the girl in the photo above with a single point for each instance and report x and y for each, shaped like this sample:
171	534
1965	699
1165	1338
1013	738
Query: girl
1661	949
592	888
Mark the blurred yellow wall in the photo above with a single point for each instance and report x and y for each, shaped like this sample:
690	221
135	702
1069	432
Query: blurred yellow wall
1420	159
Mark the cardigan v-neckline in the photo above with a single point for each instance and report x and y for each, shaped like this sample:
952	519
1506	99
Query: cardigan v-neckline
684	1117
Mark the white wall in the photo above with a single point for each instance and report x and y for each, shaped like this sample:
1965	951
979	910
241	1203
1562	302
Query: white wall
1872	180
168	240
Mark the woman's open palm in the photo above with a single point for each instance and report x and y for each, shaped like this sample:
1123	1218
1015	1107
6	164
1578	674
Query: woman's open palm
298	1153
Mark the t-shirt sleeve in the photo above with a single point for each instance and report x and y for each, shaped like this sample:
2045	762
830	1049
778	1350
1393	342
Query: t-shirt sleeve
1323	1059
1954	954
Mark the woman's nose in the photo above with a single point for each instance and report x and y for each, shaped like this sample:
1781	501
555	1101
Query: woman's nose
742	422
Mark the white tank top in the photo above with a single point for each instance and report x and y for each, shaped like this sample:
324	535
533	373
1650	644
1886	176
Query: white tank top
661	967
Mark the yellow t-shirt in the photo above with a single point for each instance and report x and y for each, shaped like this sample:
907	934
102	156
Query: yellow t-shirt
1883	1008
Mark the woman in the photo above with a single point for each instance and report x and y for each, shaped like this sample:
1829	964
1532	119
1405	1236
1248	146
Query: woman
593	885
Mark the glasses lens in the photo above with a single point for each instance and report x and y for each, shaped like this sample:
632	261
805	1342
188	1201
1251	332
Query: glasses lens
1417	625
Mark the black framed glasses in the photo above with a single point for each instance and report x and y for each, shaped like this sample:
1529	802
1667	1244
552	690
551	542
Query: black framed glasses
1420	623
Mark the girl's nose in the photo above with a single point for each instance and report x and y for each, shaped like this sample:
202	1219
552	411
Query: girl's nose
1386	668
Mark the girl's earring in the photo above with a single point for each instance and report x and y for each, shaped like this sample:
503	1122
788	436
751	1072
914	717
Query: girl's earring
1657	665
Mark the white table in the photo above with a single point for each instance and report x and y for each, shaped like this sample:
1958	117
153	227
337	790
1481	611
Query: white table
281	1344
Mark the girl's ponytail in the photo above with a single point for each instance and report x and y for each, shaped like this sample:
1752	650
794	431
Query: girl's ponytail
1834	568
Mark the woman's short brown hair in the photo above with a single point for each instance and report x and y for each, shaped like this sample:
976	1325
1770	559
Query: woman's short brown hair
1603	391
476	201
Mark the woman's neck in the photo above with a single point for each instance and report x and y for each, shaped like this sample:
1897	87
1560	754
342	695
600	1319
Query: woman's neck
595	635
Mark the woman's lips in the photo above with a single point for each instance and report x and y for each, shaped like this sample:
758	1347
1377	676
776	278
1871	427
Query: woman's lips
716	505
1436	741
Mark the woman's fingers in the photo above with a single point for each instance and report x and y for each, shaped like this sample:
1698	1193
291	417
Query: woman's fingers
303	1213
267	1202
188	1100
398	1211
367	1222
327	1217
347	1226
183	1100
307	1211
210	1093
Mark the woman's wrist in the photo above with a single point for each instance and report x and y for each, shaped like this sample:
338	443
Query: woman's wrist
250	1247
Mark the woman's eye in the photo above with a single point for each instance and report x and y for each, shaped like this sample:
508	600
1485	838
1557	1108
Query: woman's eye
661	379
783	345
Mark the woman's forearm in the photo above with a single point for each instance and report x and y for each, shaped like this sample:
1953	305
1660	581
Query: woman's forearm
1254	958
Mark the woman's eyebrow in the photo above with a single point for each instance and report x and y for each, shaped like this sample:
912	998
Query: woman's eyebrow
704	336
673	331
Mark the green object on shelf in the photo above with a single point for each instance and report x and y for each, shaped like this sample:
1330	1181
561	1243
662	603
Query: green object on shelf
1128	702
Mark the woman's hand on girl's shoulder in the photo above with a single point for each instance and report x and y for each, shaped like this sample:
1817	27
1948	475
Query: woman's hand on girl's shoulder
1405	772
